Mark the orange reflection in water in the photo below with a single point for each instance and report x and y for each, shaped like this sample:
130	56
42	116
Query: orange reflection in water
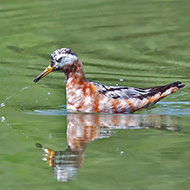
84	128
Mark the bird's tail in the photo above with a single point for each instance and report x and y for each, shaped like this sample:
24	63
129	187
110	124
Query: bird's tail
159	92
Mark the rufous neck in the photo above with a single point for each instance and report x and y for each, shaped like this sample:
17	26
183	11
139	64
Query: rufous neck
75	72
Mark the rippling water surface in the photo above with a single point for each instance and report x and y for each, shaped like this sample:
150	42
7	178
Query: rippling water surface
132	43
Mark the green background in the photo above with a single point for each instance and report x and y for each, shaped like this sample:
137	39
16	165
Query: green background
145	43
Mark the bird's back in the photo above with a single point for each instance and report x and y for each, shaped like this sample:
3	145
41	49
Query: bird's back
94	97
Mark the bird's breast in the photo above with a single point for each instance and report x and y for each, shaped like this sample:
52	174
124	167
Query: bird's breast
85	97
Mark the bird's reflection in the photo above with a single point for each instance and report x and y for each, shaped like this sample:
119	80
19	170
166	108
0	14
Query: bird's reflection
84	128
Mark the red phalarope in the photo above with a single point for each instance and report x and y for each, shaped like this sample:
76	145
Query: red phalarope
87	96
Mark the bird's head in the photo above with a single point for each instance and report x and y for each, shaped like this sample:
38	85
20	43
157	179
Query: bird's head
60	59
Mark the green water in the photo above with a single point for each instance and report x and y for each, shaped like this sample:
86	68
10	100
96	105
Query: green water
145	43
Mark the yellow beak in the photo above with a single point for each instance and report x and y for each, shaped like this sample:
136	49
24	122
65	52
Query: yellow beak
48	70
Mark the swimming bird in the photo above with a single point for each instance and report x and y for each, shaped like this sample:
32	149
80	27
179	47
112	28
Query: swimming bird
84	95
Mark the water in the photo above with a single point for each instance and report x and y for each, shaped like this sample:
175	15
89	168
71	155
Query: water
132	43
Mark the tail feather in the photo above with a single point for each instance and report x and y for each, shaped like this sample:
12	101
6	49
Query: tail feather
178	84
165	89
159	92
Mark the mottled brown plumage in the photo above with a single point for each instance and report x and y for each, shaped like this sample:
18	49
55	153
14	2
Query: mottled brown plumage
87	96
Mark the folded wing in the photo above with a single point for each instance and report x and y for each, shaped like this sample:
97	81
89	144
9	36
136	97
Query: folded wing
144	97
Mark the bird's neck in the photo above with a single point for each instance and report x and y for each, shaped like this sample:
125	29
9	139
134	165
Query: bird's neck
74	72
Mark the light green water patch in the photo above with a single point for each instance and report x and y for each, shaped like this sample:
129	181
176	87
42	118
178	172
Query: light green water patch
144	43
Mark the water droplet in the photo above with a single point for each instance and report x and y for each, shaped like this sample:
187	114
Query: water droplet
26	87
44	159
2	104
2	118
121	80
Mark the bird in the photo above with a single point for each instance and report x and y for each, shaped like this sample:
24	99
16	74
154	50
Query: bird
84	95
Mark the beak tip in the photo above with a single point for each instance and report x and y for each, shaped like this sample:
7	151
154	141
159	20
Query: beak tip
43	74
35	80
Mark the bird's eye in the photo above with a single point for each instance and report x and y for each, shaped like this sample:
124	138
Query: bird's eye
59	60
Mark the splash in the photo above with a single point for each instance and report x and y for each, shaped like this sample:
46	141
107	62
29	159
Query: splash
21	90
26	87
3	103
2	118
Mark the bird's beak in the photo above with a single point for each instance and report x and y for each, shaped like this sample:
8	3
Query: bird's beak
48	70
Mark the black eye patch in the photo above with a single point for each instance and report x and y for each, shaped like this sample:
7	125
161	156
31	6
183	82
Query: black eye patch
59	60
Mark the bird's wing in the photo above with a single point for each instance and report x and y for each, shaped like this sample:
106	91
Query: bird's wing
130	92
